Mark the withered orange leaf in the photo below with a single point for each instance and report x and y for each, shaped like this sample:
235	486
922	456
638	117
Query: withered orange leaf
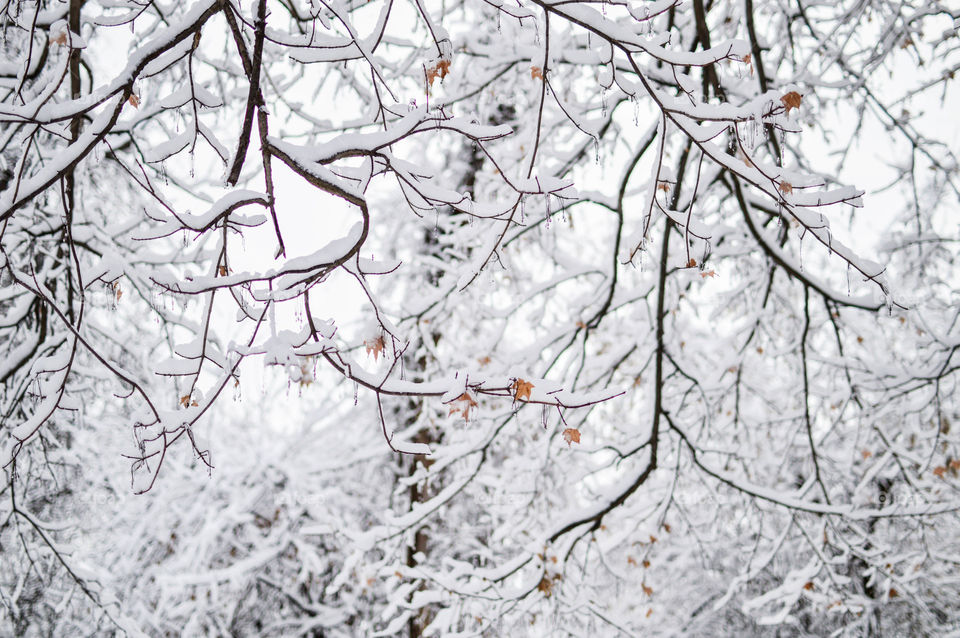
940	471
536	73
664	186
631	561
709	273
375	346
791	101
571	435
785	187
646	589
692	263
60	38
646	564
440	69
649	612
521	390
466	402
134	100
808	586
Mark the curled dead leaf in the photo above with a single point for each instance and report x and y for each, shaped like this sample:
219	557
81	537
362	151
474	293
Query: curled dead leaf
466	402
571	435
521	390
536	73
545	586
791	101
440	69
375	346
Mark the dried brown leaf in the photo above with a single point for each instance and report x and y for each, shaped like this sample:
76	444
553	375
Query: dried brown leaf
375	346
466	402
521	390
571	435
791	101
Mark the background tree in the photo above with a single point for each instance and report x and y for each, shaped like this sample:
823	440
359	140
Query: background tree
425	217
